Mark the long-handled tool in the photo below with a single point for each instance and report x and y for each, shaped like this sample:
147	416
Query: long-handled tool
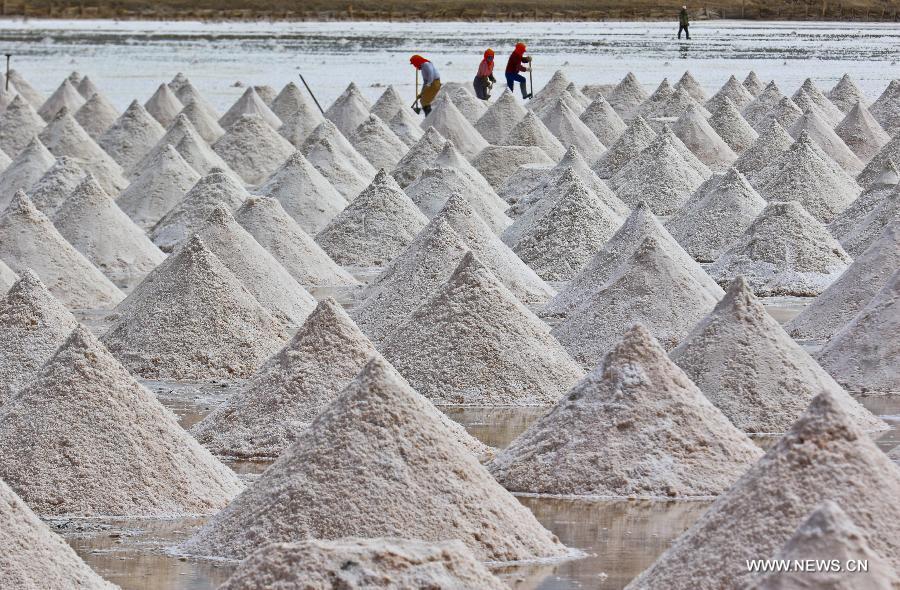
530	79
8	55
415	104
311	94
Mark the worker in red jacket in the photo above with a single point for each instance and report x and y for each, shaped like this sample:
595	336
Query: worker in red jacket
484	79
514	69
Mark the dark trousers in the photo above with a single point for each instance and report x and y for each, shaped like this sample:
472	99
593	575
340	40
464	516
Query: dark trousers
512	78
481	88
685	29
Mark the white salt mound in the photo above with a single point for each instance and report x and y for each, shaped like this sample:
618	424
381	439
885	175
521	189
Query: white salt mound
29	240
377	143
650	287
131	137
333	483
531	131
471	108
452	125
861	133
249	104
638	136
26	90
406	127
205	125
419	157
19	123
292	101
885	159
828	531
571	131
349	110
65	96
33	557
753	84
300	117
192	319
775	380
25	170
156	189
870	199
57	183
6	96
197	153
34	325
7	277
773	141
708	226
846	94
885	108
703	141
548	94
689	84
733	91
861	234
86	87
337	160
391	564
610	435
759	111
409	279
828	111
173	135
500	118
96	115
823	134
266	93
252	148
102	444
862	356
164	106
732	127
267	221
787	112
522	182
435	185
90	220
785	251
845	297
627	97
187	94
600	117
388	104
496	163
824	456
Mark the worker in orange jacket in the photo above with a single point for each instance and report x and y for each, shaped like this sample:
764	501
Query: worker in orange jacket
484	79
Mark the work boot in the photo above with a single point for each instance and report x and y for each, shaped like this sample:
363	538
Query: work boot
426	109
525	93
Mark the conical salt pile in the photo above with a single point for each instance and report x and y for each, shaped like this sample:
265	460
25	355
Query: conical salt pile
268	281
571	131
759	112
298	114
787	112
252	148
249	104
548	94
65	96
496	163
29	240
419	157
845	297
179	81
677	104
531	131
862	356
627	97
406	127
505	113
603	121
731	126
56	184
871	198
829	531
92	222
266	93
383	562
6	96
436	351
294	386
206	126
174	134
63	136
266	220
638	136
86	87
887	156
470	107
7	277
562	232
610	434
187	94
26	169
786	251
834	147
164	106
131	137
703	141
689	84
734	91
617	250
346	169
377	143
101	444
202	158
96	115
659	176
388	104
34	325
26	90
662	93
861	133
19	123
564	98
409	280
650	287
523	182
375	227
774	381
33	557
773	141
335	484
846	94
824	456
886	108
707	227
186	217
453	126
827	110
866	230
349	110
158	188
304	193
807	175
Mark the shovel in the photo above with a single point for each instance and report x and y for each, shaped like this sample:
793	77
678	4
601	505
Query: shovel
415	104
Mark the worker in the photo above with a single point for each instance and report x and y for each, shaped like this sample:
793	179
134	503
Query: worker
431	82
484	79
683	23
514	69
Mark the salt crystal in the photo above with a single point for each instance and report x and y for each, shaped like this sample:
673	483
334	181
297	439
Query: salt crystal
96	115
733	91
496	163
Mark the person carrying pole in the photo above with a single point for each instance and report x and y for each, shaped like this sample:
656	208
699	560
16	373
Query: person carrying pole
431	82
514	69
484	79
684	23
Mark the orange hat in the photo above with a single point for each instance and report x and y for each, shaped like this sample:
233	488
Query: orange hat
417	60
520	48
488	53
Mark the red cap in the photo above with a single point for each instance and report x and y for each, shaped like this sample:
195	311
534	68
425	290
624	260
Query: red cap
417	60
488	53
520	48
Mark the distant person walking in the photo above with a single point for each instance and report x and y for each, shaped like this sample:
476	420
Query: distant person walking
484	79
431	82
684	23
514	69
